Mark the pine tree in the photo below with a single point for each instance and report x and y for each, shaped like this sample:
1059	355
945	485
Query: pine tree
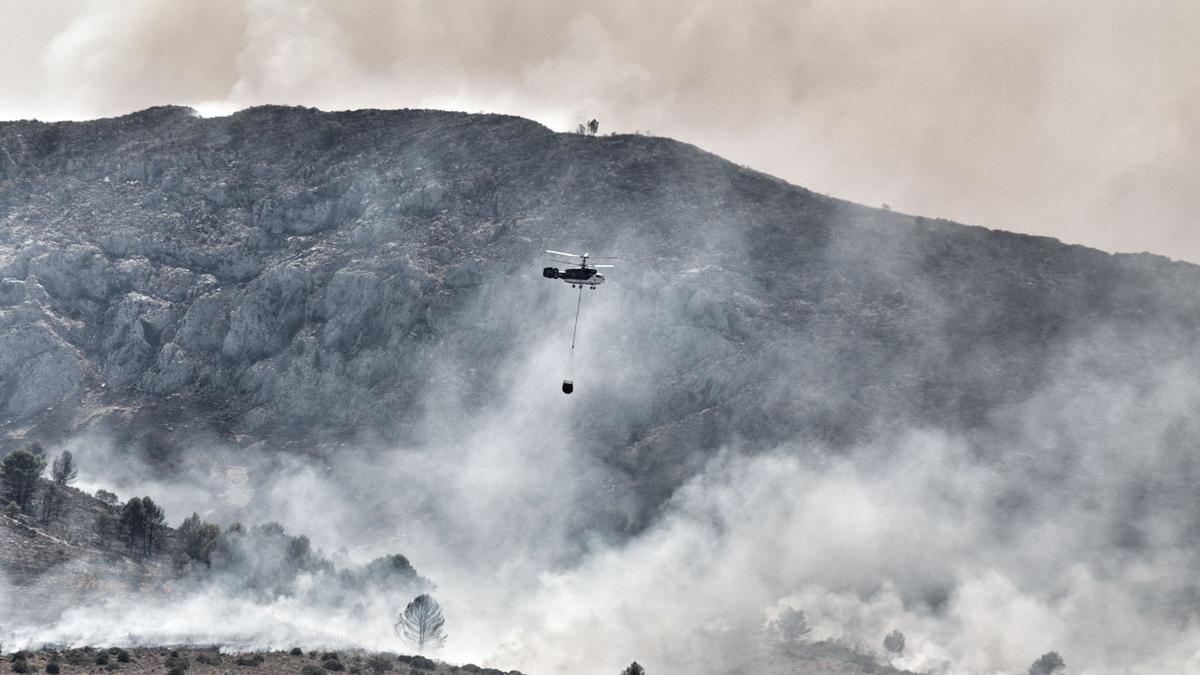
154	520
133	522
19	474
420	624
63	472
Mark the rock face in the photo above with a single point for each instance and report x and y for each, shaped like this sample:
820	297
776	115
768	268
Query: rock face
289	275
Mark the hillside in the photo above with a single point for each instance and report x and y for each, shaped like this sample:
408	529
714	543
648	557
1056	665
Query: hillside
302	277
338	321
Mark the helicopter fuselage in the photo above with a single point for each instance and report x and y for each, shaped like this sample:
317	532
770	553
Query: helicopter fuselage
576	276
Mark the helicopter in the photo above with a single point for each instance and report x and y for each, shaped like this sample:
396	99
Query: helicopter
578	277
584	275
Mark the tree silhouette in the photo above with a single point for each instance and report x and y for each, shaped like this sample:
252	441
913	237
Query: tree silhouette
64	471
133	522
1047	664
592	127
153	524
634	669
19	474
894	642
791	626
199	538
52	500
420	624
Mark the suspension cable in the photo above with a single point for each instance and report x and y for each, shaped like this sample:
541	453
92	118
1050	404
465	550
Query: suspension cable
574	332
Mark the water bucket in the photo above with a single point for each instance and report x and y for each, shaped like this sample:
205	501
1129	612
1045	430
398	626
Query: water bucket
568	386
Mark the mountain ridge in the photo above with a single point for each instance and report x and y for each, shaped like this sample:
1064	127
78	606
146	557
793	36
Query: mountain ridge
272	271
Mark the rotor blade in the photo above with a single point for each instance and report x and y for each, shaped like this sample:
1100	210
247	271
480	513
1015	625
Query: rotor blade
569	255
601	265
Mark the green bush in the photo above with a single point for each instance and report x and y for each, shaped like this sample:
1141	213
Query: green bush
296	651
123	656
52	668
250	660
102	659
20	666
327	656
334	665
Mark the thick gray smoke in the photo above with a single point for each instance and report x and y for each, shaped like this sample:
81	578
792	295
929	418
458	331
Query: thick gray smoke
1074	119
1066	526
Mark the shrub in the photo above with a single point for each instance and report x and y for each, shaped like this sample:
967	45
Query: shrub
894	642
250	661
312	670
636	669
175	661
52	668
209	659
102	659
379	664
334	665
422	663
20	665
123	656
296	651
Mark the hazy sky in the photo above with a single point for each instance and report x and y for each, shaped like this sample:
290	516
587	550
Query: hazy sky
1078	120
